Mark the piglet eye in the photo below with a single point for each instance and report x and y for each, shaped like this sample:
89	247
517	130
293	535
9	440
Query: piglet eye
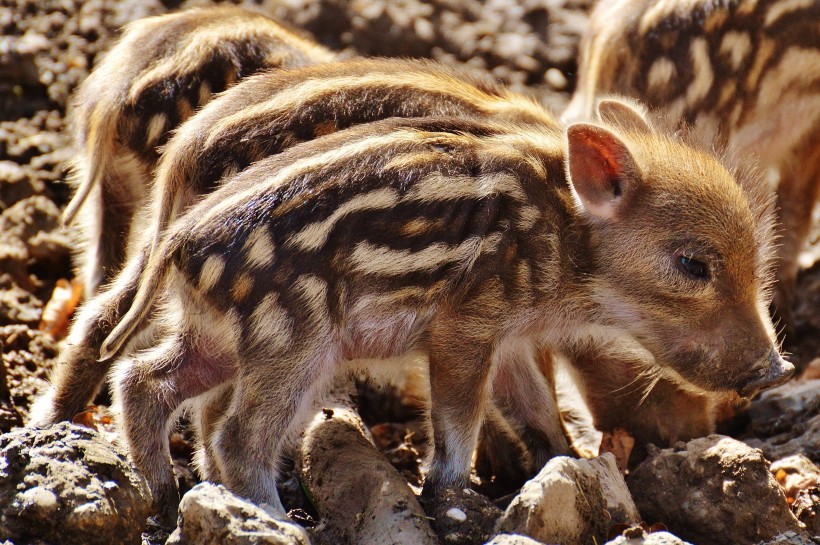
693	268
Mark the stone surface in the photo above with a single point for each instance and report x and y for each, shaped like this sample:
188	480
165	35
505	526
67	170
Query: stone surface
9	415
68	485
28	356
462	517
512	539
564	503
653	538
619	502
793	538
800	480
786	421
360	497
712	490
211	515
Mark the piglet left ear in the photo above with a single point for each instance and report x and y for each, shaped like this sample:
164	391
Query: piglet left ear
601	169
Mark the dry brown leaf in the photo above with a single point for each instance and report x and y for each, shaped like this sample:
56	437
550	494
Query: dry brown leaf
57	312
620	443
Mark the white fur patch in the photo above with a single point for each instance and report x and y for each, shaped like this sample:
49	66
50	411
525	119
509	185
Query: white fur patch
259	248
660	74
736	45
372	259
315	234
271	324
211	272
784	7
156	126
702	67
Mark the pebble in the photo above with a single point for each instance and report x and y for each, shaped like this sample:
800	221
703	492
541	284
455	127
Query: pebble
456	514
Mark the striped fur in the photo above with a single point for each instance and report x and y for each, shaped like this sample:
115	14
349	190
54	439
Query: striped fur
314	257
162	70
258	117
747	71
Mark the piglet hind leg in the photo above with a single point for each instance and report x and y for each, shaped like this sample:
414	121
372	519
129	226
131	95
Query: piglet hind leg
208	413
272	397
151	386
524	389
78	375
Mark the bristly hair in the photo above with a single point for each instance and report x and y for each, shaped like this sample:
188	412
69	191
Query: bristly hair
744	169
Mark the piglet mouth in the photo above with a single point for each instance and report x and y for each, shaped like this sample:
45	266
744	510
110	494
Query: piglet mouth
769	372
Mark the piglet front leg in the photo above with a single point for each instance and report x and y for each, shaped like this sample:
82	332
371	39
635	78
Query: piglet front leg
460	352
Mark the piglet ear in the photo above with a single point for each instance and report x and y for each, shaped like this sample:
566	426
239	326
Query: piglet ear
601	169
624	113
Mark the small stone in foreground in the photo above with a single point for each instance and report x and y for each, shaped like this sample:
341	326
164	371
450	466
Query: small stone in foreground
209	513
462	516
654	538
68	485
564	504
512	539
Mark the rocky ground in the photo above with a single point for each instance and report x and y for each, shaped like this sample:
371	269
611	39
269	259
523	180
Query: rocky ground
72	484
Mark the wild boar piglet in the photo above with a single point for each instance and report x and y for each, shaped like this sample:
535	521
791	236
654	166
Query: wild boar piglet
157	75
746	72
462	239
261	116
162	71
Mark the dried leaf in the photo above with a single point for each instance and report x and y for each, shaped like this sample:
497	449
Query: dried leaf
57	312
620	443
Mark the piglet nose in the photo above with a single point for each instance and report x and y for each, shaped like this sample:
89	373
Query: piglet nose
771	371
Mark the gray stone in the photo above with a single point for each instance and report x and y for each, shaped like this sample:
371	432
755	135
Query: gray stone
68	485
712	490
793	538
786	421
654	538
512	539
209	514
564	503
619	502
462	517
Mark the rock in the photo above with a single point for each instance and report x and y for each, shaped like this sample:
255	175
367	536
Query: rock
569	502
654	538
775	409
793	538
68	485
800	480
806	508
712	490
463	516
786	421
512	539
360	497
210	514
9	415
31	232
619	502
